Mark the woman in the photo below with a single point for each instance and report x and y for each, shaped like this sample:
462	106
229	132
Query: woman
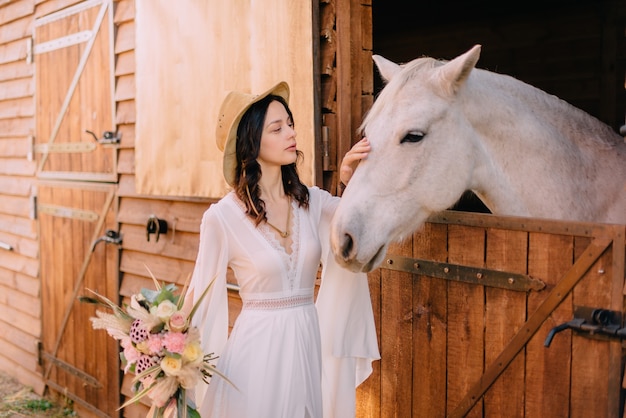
282	357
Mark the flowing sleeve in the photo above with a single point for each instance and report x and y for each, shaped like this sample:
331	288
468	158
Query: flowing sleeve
348	332
211	318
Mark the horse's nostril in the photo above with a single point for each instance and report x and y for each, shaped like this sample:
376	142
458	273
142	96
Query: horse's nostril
346	246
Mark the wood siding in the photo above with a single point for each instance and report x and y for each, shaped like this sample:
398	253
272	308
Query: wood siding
20	290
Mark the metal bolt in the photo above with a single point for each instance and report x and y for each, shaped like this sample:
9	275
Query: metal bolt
479	276
446	269
511	280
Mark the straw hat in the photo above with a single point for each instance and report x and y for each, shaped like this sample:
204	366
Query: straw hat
233	107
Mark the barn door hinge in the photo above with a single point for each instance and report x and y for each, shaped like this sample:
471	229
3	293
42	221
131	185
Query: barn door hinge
592	322
43	356
29	50
466	274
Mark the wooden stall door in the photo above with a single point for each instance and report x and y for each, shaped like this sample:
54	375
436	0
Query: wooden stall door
464	309
75	147
78	362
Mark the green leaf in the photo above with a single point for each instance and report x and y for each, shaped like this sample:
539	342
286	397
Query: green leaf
192	413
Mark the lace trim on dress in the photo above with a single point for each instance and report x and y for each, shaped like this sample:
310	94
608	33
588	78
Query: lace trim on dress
290	259
278	303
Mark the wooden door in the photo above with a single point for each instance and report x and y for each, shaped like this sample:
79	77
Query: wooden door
78	362
465	307
75	146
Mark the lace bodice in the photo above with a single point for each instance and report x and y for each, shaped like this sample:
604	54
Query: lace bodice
262	266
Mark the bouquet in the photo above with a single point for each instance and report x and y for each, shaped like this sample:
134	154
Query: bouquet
159	346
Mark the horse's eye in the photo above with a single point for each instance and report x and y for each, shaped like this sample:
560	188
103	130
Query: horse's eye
412	137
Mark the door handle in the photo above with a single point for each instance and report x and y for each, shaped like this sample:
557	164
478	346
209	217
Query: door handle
110	237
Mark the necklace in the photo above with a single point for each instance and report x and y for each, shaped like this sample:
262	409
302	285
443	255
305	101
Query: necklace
282	233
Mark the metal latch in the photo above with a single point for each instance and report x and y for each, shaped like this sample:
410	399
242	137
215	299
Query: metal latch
109	237
108	137
594	322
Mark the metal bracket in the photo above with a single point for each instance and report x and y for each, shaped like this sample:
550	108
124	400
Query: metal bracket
65	212
459	273
87	378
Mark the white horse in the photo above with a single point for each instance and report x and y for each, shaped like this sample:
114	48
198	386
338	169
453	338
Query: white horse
440	128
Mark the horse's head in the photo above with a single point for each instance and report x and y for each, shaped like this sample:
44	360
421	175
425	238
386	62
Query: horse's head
420	161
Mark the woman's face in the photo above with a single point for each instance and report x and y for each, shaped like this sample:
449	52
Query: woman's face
278	141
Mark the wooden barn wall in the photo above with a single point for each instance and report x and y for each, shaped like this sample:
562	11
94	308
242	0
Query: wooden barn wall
20	322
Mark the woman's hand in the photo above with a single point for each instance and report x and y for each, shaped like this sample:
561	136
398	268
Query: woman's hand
358	152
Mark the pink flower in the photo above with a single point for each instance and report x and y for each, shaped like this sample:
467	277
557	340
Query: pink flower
174	342
131	355
155	343
178	321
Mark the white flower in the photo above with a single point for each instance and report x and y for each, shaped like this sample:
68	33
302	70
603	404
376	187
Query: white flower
171	365
165	310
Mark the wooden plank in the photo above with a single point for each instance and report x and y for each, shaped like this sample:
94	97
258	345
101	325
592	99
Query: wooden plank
368	400
549	226
17	107
181	216
19	301
125	113
16	10
18	226
50	6
15	186
466	305
17	29
125	87
125	161
170	270
127	133
16	127
16	69
396	335
125	37
124	11
181	245
19	263
591	359
15	147
549	257
20	338
12	205
18	167
25	284
16	89
505	314
125	63
430	310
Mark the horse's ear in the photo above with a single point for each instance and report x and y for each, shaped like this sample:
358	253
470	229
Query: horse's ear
453	74
386	68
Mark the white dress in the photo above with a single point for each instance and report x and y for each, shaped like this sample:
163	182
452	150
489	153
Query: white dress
288	357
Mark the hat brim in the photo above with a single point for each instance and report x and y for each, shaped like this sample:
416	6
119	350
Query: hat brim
233	107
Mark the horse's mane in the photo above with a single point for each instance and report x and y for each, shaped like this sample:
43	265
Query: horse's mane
566	117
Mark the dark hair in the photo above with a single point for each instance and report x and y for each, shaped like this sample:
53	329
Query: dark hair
248	172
